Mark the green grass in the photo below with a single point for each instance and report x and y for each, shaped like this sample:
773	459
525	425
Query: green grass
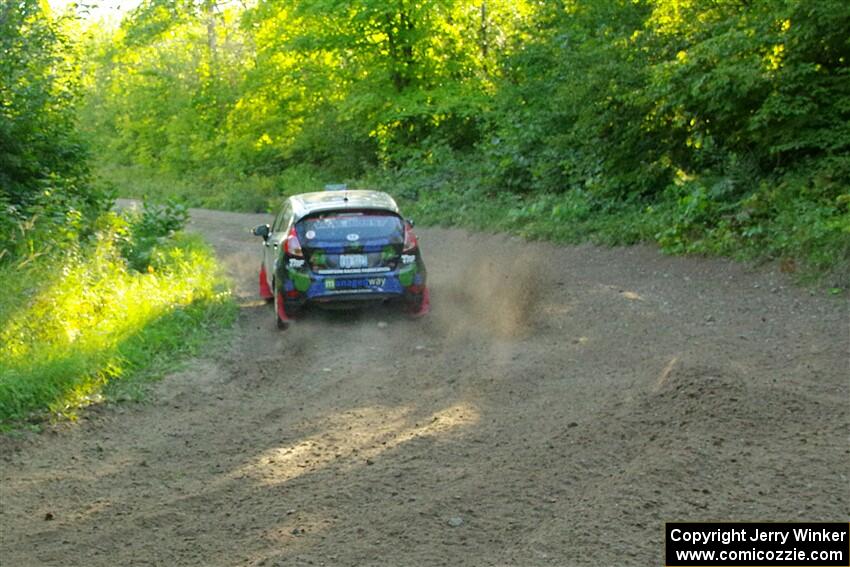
78	326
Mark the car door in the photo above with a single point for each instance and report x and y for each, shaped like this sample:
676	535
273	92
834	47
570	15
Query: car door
271	251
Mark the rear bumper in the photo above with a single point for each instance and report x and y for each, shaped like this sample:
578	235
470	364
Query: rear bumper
354	300
306	286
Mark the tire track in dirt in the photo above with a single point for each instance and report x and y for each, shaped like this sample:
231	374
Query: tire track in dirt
559	404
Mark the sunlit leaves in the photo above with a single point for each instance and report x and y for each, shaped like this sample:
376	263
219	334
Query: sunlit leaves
284	81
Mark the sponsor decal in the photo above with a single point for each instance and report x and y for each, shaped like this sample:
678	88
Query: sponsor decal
353	237
354	271
388	253
406	275
353	283
319	258
408	258
296	263
310	234
300	280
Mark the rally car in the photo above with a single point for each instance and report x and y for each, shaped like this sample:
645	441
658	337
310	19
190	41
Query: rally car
340	248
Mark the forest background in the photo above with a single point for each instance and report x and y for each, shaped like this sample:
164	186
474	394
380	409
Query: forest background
717	126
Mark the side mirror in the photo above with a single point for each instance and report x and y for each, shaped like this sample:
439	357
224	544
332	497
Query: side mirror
411	223
262	230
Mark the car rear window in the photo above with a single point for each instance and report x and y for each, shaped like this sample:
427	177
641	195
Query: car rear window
350	227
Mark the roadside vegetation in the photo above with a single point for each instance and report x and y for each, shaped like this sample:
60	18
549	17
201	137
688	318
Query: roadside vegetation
707	127
104	315
92	300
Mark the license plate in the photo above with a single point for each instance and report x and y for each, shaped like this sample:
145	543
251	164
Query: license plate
353	261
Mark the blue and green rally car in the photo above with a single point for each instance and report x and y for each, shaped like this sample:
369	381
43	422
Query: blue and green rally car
341	248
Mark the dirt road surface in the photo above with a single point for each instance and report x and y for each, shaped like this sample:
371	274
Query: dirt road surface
556	408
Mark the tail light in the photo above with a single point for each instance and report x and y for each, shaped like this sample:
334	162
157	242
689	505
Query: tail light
292	246
410	242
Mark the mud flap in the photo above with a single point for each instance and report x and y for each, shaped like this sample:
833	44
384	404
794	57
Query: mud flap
425	306
280	313
265	290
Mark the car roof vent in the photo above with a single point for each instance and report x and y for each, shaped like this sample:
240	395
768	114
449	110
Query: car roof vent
336	187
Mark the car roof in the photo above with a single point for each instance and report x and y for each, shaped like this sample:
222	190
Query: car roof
309	203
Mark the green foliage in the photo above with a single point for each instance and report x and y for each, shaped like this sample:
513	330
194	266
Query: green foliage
148	230
709	127
70	329
335	84
45	195
158	221
571	112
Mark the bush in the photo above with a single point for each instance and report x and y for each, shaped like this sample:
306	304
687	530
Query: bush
74	323
149	229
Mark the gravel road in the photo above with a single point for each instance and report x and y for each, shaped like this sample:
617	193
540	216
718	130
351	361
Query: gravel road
556	408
